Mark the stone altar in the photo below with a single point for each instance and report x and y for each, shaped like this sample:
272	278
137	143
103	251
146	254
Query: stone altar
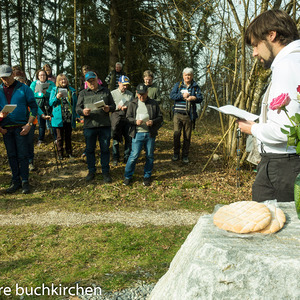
216	264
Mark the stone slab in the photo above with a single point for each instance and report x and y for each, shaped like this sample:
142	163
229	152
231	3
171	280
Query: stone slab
215	264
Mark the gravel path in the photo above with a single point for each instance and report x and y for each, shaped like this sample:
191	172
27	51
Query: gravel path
136	219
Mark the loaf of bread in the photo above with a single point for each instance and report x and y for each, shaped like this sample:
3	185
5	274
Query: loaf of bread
277	221
243	217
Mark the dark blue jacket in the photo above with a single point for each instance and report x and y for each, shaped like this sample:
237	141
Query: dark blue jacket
22	96
194	90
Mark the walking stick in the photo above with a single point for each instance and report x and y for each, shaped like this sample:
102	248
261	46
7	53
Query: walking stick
53	141
238	155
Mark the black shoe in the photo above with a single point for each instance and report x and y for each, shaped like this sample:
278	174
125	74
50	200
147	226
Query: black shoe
185	160
147	181
25	188
126	181
175	157
125	160
115	163
13	187
90	176
107	178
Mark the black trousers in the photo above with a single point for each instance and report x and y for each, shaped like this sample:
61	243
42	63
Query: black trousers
64	134
276	174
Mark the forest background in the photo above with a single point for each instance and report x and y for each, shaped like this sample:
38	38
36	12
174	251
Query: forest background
164	36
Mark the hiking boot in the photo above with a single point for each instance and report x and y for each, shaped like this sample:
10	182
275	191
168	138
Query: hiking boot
31	167
126	181
25	188
13	187
39	143
107	178
147	181
175	157
115	163
90	177
185	160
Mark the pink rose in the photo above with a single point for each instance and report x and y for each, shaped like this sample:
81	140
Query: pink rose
280	102
298	92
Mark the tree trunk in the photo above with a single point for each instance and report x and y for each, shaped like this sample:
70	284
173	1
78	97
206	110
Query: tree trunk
57	18
75	45
113	34
8	33
40	35
82	35
20	33
128	55
1	37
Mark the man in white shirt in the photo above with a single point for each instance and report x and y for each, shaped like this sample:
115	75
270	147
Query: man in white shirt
275	41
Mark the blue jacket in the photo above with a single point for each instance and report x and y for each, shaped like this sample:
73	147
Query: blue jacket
194	90
24	98
55	103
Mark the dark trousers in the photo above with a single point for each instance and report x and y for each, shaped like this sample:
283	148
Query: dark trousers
276	174
64	134
182	123
17	152
42	128
102	134
121	131
31	144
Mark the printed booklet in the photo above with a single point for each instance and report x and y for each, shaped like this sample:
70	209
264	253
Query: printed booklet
9	108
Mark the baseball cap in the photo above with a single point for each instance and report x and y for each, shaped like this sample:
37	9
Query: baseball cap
5	70
89	75
124	79
141	88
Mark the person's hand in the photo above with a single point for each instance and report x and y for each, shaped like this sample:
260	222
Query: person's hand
123	108
191	98
245	126
139	122
25	129
86	111
185	95
149	123
3	131
59	95
3	114
47	118
105	108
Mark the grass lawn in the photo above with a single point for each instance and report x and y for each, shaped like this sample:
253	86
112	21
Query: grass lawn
113	256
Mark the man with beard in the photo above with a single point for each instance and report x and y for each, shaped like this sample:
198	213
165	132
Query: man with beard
275	41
